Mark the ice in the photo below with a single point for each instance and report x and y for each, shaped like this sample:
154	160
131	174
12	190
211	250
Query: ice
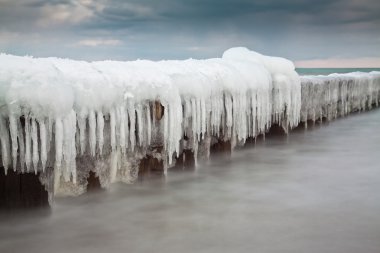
122	123
21	146
58	143
82	133
14	135
43	137
105	116
148	125
35	157
113	129
28	144
327	97
132	120
100	137
92	132
5	147
140	125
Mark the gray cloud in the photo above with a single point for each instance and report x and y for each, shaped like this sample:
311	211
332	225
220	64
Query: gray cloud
297	29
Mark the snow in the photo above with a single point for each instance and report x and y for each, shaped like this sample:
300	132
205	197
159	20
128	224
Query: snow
77	116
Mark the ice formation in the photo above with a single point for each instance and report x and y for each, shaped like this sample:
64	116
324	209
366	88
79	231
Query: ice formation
63	118
336	95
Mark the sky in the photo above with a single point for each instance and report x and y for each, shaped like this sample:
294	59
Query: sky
325	33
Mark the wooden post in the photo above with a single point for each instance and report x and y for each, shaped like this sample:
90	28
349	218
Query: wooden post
158	110
21	191
93	183
150	167
221	147
276	130
185	161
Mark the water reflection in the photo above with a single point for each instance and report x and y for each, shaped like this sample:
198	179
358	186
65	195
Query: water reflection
313	191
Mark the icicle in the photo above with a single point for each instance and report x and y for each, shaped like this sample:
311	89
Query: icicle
43	136
229	113
14	133
170	134
194	119
5	147
82	124
92	132
49	132
153	116
254	113
140	125
178	127
73	168
148	125
121	120
187	116
21	146
203	117
35	157
166	126
132	118
113	129
58	144
100	125
126	126
28	157
198	115
67	148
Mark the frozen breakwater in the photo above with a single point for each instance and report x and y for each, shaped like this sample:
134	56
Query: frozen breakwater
336	95
62	119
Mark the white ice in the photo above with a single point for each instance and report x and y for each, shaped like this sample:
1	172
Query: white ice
53	110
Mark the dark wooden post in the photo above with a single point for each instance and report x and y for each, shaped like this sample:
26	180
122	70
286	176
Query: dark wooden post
221	147
21	191
150	167
158	110
93	183
185	161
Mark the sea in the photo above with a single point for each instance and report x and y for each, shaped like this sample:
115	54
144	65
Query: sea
327	71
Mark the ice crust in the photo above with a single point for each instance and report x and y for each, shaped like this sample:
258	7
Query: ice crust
63	118
336	95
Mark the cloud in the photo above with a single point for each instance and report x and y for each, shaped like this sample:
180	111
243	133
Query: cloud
7	36
99	42
68	12
296	29
193	48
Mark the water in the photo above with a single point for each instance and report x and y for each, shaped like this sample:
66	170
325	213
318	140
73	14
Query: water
326	71
313	191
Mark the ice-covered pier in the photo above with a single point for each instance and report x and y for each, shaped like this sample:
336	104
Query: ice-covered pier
62	119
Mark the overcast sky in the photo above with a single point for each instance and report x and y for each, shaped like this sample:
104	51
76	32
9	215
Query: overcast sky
312	33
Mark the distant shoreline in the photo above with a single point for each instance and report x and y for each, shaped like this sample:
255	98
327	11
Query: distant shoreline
326	71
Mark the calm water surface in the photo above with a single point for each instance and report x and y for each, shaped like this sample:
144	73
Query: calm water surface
313	191
327	71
